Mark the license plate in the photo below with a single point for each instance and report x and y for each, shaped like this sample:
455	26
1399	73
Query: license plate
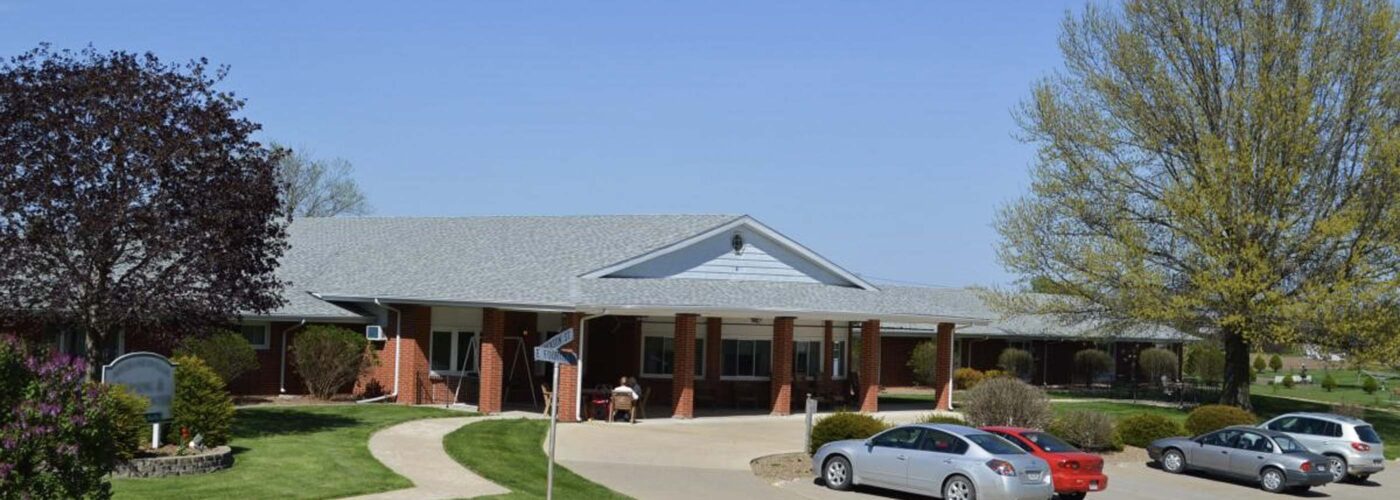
1033	476
1377	461
1093	486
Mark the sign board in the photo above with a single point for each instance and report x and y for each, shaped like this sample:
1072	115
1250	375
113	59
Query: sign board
558	340
553	356
148	374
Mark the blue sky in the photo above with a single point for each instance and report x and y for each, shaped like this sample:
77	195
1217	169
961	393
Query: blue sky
878	133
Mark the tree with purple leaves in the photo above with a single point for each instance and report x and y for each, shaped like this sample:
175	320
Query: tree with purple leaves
63	433
136	200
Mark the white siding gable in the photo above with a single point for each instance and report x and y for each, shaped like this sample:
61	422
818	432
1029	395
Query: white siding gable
761	259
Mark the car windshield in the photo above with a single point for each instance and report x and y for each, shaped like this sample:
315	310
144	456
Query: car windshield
1049	443
994	445
1368	434
1288	445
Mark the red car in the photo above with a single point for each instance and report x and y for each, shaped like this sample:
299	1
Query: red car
1075	473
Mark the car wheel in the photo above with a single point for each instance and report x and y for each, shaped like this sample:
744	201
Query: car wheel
1338	467
838	473
959	488
1173	461
1272	480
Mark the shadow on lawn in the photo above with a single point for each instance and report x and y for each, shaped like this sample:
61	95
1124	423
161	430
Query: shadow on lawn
280	422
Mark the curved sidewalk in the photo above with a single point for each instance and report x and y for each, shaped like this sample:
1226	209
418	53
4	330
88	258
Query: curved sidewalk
414	450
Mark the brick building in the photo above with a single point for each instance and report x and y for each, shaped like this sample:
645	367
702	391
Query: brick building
707	311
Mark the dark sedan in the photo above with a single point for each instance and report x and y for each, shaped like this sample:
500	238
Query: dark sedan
1272	458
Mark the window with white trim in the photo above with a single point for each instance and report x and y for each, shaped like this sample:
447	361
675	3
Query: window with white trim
259	336
747	358
807	358
838	359
452	352
659	356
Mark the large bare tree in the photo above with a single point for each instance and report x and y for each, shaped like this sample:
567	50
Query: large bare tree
134	199
314	187
1228	167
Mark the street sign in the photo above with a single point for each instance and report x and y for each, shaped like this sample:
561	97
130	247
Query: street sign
553	356
558	340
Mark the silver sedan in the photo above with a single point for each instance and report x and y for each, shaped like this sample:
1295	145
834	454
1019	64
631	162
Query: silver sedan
947	461
1272	458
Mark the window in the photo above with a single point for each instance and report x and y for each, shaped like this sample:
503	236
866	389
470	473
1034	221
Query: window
838	359
452	352
1049	443
995	445
747	358
257	335
659	356
1254	442
1221	438
942	442
1366	433
902	437
1288	445
807	358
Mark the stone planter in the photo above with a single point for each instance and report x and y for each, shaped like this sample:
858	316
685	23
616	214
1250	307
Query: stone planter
211	460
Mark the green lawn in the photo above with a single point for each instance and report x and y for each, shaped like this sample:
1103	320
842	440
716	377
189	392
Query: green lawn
509	453
1118	410
294	452
1348	389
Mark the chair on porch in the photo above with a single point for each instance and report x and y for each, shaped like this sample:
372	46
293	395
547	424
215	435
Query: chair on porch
548	399
642	403
622	402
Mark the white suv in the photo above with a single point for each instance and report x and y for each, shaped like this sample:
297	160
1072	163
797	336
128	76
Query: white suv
1352	444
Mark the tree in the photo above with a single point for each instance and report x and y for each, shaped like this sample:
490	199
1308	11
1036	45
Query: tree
924	362
1328	383
318	188
329	358
1092	363
1369	384
1207	363
1275	363
1223	167
1016	362
135	199
1260	364
1157	363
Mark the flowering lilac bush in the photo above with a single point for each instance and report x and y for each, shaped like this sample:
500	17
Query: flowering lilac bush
58	439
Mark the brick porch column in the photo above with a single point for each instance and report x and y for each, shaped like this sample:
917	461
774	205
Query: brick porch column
568	374
828	344
782	365
714	353
870	366
493	340
943	376
683	367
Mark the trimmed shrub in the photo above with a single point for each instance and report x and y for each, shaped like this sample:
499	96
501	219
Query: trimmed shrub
1142	429
844	425
935	418
1259	363
1328	383
1288	381
1089	430
1370	385
1016	361
1156	363
60	435
991	374
1007	401
202	405
1349	410
1207	418
1276	363
1207	363
329	358
1091	363
227	353
966	378
924	362
129	428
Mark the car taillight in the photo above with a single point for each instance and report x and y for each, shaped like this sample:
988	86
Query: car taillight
1307	467
1069	464
1361	447
1001	467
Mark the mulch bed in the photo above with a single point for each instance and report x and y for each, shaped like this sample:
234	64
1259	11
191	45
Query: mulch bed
783	466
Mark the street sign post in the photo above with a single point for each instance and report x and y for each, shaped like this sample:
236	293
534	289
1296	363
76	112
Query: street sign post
549	351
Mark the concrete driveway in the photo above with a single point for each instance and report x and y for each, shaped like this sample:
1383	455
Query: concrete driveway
709	458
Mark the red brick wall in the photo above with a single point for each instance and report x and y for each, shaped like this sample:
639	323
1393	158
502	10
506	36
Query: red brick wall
683	369
266	380
869	366
782	365
492	360
943	380
568	374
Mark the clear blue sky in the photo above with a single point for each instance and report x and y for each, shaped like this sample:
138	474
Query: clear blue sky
878	133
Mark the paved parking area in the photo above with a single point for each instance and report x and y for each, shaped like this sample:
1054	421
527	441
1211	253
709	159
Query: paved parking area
709	458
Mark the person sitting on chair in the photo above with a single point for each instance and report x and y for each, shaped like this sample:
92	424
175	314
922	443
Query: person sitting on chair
636	388
625	388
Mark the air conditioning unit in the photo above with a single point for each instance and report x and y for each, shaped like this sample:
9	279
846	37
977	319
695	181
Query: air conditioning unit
374	333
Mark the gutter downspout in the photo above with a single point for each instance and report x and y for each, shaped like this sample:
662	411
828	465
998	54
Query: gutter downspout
282	377
398	344
578	384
